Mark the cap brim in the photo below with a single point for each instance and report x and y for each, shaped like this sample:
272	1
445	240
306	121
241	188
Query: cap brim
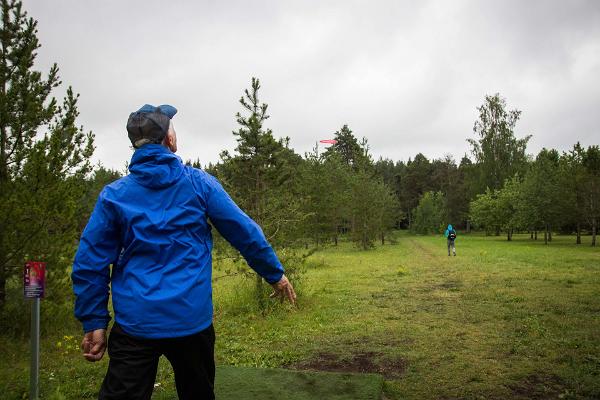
168	110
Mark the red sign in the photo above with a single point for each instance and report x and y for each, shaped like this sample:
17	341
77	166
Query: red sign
328	141
34	279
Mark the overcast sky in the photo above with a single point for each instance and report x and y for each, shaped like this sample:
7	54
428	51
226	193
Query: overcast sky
408	75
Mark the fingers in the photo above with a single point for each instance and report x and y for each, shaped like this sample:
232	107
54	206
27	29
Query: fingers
290	293
94	357
86	343
284	290
93	345
96	352
277	293
293	294
287	292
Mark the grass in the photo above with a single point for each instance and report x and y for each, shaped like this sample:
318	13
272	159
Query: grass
501	320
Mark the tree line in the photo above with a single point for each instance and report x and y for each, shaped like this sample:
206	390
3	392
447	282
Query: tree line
556	192
501	188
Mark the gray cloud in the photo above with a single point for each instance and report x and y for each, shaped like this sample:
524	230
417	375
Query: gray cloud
407	75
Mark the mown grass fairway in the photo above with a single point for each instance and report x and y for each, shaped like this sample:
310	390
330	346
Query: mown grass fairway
257	383
501	320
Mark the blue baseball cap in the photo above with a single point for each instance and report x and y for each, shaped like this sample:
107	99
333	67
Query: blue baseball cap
150	122
166	109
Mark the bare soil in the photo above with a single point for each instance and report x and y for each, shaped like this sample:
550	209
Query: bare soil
535	386
362	362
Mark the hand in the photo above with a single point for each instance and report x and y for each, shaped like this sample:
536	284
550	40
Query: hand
94	345
284	289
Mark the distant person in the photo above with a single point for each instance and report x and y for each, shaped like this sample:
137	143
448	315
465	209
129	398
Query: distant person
152	226
451	237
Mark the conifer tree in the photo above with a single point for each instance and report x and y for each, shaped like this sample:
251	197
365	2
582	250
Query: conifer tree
259	174
325	193
541	191
354	153
415	181
591	189
43	155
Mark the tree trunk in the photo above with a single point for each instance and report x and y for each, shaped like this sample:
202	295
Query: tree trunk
335	240
508	235
578	233
2	287
498	231
468	226
535	235
382	238
549	234
594	229
546	235
531	233
364	236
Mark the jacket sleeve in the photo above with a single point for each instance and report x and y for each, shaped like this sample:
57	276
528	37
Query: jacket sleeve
98	248
241	232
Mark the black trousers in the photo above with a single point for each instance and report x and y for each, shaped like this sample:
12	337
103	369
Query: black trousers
133	363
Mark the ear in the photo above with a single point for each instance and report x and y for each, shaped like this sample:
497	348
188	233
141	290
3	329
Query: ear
170	140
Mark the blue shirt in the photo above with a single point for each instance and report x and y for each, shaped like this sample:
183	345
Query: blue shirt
152	226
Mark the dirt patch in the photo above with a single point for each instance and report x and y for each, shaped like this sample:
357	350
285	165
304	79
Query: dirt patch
536	386
448	286
364	362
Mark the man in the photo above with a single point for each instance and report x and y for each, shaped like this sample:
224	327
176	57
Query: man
451	237
152	226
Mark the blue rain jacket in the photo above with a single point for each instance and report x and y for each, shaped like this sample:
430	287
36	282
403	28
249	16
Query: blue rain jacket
152	226
448	230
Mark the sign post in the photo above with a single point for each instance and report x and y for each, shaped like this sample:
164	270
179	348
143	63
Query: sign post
34	282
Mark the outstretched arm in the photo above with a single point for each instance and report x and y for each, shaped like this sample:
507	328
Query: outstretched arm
247	237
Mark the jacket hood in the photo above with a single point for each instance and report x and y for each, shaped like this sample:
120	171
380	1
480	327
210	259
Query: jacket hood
155	166
449	227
